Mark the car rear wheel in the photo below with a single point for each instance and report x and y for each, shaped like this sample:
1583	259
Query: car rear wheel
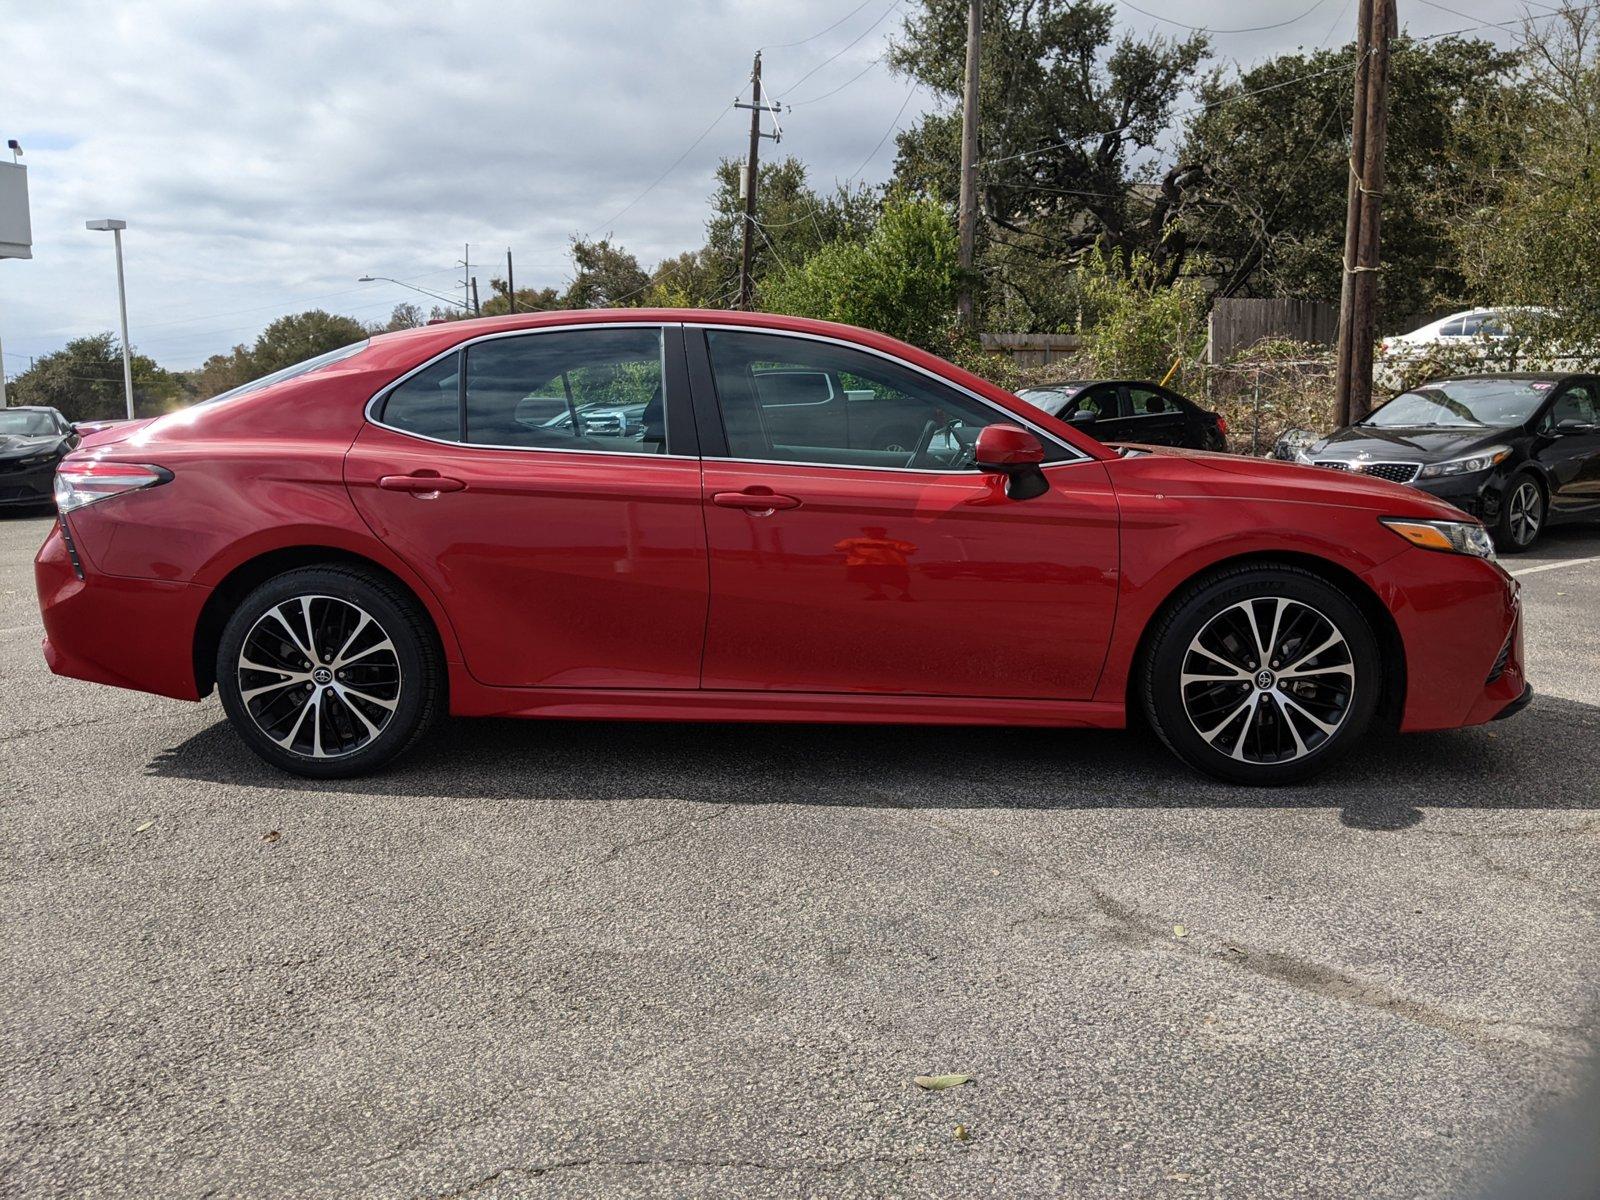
1521	515
1262	675
329	672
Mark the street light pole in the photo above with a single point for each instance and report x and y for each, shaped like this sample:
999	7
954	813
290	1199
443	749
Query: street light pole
412	286
116	228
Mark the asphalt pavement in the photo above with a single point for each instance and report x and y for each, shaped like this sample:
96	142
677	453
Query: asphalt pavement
652	959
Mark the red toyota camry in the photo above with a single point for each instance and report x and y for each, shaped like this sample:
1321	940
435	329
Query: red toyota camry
720	516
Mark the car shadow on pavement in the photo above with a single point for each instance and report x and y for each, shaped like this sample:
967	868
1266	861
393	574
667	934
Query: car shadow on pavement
1546	758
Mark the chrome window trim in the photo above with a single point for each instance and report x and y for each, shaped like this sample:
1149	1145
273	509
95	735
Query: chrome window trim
1013	418
381	393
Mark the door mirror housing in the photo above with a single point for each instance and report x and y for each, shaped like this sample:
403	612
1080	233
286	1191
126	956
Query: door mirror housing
1015	453
1574	425
1084	416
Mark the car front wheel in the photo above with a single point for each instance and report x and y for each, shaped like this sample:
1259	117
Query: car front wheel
1521	515
329	672
1261	675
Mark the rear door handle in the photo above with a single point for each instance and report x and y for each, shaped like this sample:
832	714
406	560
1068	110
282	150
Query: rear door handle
754	500
420	484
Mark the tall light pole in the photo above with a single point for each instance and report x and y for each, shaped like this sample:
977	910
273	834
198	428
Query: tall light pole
116	228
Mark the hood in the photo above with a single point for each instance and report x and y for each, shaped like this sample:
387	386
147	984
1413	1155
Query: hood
17	446
1366	443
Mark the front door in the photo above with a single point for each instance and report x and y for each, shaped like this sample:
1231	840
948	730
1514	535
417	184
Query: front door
865	569
1569	446
528	480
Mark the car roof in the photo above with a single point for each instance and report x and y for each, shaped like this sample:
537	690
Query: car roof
1545	376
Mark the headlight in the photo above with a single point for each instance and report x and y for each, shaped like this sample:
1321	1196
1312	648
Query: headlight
38	460
1481	461
1453	537
1305	455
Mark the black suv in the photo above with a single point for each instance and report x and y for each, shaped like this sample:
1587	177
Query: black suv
1516	451
1114	410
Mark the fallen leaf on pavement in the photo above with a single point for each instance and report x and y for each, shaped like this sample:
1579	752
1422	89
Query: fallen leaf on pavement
1179	931
937	1083
143	827
962	1135
271	835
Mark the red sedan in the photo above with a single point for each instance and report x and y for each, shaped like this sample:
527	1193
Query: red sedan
717	516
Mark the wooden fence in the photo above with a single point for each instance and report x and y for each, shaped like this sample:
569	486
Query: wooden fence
1238	324
1032	349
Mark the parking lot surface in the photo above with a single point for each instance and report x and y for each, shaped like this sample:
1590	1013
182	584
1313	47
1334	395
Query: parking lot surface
639	960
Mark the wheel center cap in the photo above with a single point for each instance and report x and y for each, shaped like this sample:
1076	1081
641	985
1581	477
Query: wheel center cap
322	677
1265	679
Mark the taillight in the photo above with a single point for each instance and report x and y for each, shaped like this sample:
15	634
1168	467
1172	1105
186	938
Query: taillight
80	483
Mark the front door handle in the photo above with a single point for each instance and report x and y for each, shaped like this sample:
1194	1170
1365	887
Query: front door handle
754	499
420	484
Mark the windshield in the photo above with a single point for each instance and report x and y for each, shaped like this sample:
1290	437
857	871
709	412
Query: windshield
27	424
1463	404
300	368
1053	400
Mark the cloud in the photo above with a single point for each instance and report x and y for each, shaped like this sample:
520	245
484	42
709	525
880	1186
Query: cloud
265	153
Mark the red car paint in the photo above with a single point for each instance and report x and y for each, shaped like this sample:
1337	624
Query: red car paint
651	586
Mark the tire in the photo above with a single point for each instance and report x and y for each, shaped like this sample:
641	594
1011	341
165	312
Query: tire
1235	718
1523	512
375	683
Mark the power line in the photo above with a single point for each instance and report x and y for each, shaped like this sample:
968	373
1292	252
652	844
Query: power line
802	103
847	46
820	32
1207	29
894	125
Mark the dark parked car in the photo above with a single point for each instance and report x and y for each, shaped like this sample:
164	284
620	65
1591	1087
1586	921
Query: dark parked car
1517	451
1113	410
32	441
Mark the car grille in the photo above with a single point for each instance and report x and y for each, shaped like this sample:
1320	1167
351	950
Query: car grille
1393	472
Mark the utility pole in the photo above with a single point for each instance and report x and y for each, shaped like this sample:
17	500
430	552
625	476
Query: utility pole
752	172
1369	131
476	311
466	276
968	215
511	284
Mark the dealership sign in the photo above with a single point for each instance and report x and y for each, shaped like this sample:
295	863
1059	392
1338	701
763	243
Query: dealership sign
16	231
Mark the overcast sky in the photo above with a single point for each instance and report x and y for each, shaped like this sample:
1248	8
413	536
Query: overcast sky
265	154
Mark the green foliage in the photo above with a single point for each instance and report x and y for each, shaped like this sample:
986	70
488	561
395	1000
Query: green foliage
528	300
1136	326
901	279
607	276
1273	170
84	381
300	336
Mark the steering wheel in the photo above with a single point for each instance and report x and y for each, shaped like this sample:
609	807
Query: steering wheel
923	455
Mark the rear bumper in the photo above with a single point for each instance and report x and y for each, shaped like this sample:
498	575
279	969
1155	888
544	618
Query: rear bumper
132	633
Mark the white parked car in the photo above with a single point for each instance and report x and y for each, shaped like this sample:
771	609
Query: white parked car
1476	325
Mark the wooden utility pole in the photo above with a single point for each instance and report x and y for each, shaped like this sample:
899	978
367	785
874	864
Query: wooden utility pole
968	215
476	311
1369	131
751	174
511	284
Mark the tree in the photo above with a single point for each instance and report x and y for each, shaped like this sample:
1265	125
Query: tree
607	276
223	372
1270	151
1068	117
405	316
1536	239
295	338
901	279
84	381
528	299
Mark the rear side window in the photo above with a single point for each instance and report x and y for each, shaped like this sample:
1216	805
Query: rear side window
428	404
1148	403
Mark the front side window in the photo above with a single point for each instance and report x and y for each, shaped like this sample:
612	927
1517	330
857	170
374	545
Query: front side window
873	412
579	389
1575	404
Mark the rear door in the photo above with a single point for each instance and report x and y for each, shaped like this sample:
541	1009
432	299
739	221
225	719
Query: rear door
1154	416
564	557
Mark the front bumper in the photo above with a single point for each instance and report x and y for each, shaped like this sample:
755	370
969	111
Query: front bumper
1478	495
28	486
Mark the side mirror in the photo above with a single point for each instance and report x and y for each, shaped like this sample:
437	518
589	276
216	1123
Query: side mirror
1015	453
1084	416
1573	425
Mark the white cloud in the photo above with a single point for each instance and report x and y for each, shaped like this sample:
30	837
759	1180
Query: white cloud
265	153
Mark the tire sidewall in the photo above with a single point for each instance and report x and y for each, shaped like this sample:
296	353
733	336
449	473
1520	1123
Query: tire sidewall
416	669
1504	541
1164	701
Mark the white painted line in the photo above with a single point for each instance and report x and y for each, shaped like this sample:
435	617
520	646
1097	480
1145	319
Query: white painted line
1571	562
23	629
